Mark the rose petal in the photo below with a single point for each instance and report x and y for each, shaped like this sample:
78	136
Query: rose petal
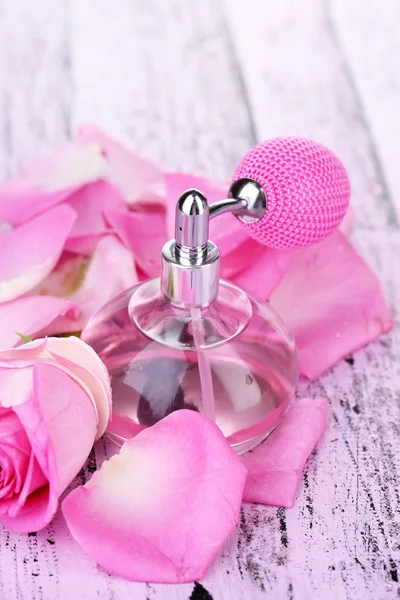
46	418
89	203
332	303
37	512
123	427
48	181
10	432
347	225
15	385
31	314
23	355
5	227
161	509
72	356
33	480
17	465
28	477
82	361
138	179
32	250
240	259
263	274
110	260
66	277
14	466
14	460
143	233
275	468
70	412
86	369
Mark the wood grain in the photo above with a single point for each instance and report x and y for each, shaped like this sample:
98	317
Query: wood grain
299	83
193	85
370	43
35	84
162	76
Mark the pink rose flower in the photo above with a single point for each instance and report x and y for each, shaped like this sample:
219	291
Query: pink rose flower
55	401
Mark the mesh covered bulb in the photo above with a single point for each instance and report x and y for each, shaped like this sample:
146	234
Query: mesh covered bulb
307	191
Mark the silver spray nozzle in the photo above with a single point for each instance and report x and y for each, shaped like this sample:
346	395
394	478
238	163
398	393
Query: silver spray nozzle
190	262
192	220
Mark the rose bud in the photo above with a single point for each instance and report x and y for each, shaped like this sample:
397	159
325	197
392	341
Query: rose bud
55	401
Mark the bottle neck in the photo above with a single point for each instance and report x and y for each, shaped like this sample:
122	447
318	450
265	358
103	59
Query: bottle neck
190	276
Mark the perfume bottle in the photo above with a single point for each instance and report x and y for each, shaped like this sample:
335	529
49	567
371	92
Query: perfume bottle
190	340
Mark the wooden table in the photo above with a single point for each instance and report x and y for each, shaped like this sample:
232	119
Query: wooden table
193	84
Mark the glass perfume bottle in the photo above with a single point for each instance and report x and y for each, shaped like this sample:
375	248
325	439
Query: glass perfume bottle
188	340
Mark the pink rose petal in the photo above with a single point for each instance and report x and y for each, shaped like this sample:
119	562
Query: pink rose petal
14	465
10	434
31	314
34	479
38	511
30	251
15	384
143	233
275	468
84	364
5	227
161	510
110	271
16	470
57	457
138	179
22	355
90	203
347	225
48	181
263	274
240	259
78	418
72	356
66	277
20	471
331	302
124	427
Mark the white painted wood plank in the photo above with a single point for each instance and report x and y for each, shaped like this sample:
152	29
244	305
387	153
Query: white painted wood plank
369	34
161	76
299	84
35	86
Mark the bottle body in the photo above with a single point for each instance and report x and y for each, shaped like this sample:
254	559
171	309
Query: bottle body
233	361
